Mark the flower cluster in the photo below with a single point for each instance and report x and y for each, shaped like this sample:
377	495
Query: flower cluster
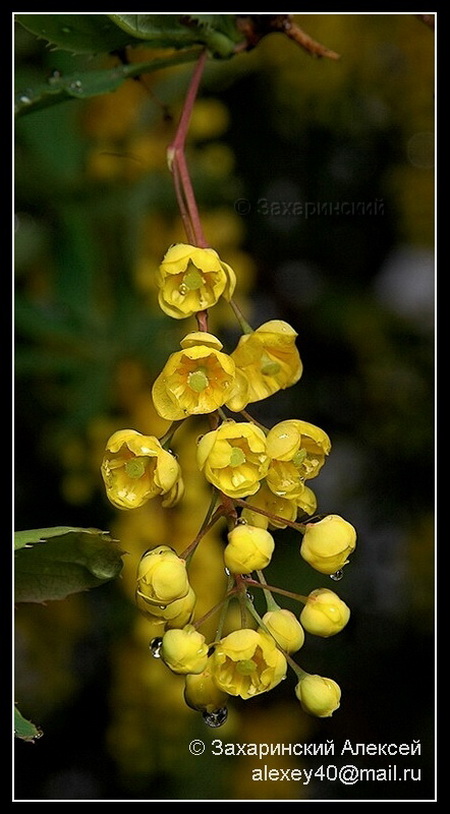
260	484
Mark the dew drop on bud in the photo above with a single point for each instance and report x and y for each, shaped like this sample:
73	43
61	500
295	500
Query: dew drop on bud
337	575
249	596
155	647
216	718
227	571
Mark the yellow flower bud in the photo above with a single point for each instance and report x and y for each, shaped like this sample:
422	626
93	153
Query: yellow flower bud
326	545
191	279
195	380
249	549
175	614
298	450
233	458
136	468
269	359
285	628
202	693
247	662
279	507
324	613
162	577
318	696
184	650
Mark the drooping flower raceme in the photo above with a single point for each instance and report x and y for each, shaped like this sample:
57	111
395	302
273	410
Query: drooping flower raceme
298	451
233	458
326	545
136	468
247	662
269	359
191	279
196	380
324	614
318	696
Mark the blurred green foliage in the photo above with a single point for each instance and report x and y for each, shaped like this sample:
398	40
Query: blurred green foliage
295	139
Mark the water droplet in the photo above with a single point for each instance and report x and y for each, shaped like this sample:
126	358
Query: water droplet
337	575
76	87
155	647
66	29
216	718
241	521
25	99
249	596
183	289
227	571
54	77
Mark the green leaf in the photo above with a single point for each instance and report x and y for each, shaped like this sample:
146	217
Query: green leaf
55	562
25	729
77	33
218	32
84	85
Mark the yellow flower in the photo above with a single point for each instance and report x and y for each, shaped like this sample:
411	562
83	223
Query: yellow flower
327	544
136	468
269	359
318	696
249	549
324	613
285	628
298	451
279	507
161	577
233	458
247	662
177	613
202	693
195	380
192	279
184	650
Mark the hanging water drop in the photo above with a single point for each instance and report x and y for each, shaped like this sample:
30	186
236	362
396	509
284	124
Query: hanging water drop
155	647
337	575
216	718
249	596
76	87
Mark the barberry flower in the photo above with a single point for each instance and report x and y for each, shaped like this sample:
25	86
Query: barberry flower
195	380
161	577
247	662
285	628
269	359
266	500
327	544
136	468
184	650
202	693
177	613
233	458
191	279
318	696
249	549
324	613
298	451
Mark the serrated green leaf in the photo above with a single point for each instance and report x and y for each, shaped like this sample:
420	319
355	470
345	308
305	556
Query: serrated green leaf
53	563
218	33
77	33
85	85
24	729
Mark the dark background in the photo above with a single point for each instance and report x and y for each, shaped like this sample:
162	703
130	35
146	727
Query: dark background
280	143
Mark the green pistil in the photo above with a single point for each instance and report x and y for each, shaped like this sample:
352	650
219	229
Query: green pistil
192	278
268	366
237	457
136	467
299	457
198	380
246	667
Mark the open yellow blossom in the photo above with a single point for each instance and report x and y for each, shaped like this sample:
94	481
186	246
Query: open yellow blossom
285	628
269	359
318	696
326	545
191	279
161	577
184	650
247	662
136	468
233	458
325	613
298	451
195	380
249	548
